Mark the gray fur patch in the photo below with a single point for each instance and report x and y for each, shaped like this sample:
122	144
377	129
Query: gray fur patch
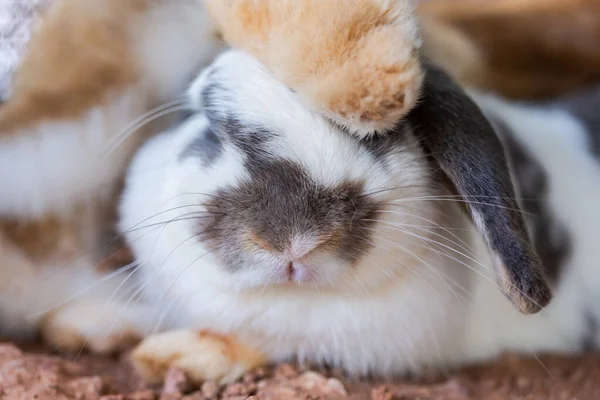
207	147
280	201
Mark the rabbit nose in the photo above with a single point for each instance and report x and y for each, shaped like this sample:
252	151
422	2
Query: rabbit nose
302	245
298	247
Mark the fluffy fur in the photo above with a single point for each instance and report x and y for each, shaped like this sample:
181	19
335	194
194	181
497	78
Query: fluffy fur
356	62
70	126
424	293
91	69
550	49
324	327
562	144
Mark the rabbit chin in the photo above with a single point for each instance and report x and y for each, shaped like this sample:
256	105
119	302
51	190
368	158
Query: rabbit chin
323	273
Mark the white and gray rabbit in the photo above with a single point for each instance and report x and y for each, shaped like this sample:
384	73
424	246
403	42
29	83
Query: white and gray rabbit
98	77
265	232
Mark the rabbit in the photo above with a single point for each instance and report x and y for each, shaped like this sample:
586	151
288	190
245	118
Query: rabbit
264	232
67	132
95	79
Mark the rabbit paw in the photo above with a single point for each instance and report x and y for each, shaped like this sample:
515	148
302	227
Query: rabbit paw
202	356
381	84
87	325
355	62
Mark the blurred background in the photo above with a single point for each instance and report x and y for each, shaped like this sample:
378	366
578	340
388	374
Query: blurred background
522	49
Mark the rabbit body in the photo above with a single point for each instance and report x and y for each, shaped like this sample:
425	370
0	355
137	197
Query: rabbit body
100	77
266	226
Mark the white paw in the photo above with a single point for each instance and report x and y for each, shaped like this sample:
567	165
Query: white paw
202	356
90	326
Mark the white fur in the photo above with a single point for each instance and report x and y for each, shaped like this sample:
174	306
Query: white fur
61	166
56	164
30	293
408	303
52	165
388	301
559	143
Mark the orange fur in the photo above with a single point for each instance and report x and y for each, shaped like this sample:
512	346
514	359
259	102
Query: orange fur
201	355
84	78
40	239
354	61
77	59
520	49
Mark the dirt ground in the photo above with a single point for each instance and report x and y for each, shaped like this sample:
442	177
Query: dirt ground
32	372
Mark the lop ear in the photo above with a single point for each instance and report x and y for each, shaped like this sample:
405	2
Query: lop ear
460	139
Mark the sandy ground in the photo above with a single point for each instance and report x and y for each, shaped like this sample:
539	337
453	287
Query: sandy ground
31	372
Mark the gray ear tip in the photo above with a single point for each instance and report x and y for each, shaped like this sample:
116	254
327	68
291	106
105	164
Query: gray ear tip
529	292
535	302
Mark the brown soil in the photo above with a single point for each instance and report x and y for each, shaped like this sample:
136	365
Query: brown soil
32	373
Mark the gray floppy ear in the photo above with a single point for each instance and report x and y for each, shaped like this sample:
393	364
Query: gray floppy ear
457	135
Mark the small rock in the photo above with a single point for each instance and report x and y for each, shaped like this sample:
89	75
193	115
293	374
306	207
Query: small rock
254	376
171	396
260	372
142	395
87	387
336	386
176	382
312	381
194	396
210	389
522	383
240	389
277	392
285	371
382	393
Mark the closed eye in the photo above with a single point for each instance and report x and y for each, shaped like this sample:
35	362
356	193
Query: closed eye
207	147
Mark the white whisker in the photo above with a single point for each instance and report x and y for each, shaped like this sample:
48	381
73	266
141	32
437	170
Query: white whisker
87	289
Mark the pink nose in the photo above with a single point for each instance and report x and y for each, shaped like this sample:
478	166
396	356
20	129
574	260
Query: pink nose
301	246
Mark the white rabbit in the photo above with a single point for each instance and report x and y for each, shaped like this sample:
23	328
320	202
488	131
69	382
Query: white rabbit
266	232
